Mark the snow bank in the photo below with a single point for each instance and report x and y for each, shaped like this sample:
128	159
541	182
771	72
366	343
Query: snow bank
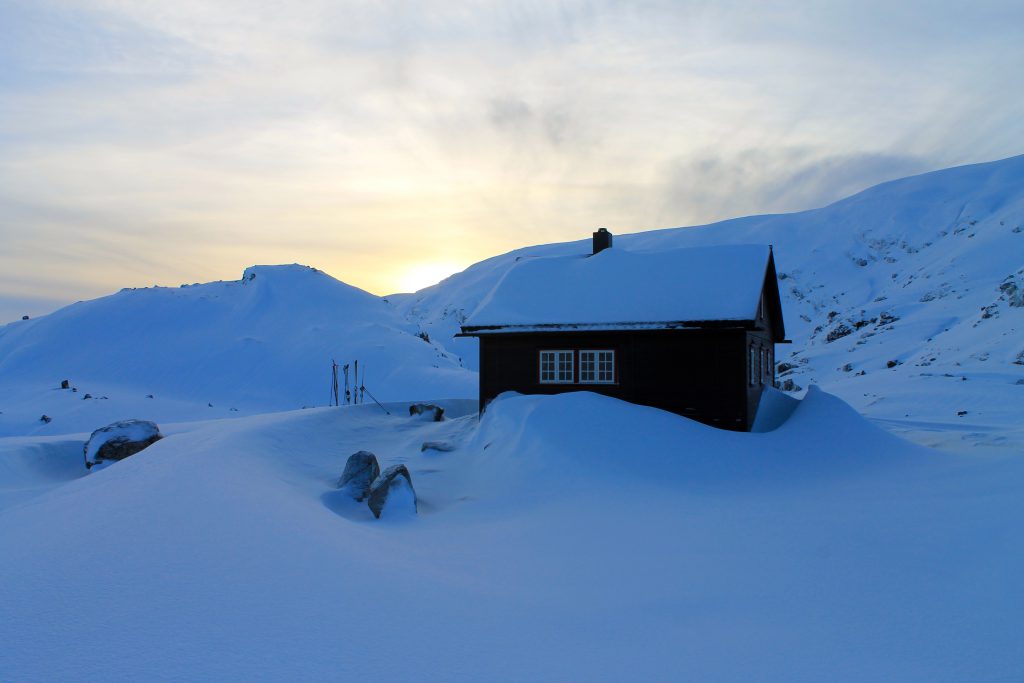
534	441
773	410
31	466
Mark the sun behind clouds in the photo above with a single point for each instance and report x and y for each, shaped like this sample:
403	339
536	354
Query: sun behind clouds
422	275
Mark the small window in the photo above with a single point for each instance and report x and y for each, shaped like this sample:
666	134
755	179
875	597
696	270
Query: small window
753	364
556	367
764	365
597	367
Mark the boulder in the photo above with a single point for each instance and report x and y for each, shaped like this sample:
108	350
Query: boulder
360	471
119	440
428	410
392	493
790	385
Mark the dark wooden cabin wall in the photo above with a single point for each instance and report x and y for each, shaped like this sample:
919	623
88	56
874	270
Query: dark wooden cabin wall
696	373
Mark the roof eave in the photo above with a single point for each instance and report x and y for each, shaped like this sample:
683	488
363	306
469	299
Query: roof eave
540	328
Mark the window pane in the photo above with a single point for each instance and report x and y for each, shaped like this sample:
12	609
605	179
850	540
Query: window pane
564	366
606	366
547	366
586	366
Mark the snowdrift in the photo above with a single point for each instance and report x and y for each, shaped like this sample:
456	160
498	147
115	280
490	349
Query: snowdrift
585	436
565	537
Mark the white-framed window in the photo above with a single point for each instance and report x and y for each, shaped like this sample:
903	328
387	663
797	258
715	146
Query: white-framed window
764	365
597	367
556	367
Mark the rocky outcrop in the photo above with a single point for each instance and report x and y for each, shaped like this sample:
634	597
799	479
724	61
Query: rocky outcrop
361	469
392	494
838	332
119	440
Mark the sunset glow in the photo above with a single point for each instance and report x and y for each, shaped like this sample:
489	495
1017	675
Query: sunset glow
165	143
426	274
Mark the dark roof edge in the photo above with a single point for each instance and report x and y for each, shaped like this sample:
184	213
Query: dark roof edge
477	330
771	283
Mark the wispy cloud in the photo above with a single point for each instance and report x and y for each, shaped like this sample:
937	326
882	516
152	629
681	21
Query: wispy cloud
167	142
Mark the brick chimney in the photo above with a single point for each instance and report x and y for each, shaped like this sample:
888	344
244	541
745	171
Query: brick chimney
602	240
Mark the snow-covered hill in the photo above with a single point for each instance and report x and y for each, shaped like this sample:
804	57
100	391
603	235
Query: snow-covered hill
907	300
262	343
925	274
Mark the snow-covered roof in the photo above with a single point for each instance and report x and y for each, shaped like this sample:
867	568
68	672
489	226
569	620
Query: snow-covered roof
617	288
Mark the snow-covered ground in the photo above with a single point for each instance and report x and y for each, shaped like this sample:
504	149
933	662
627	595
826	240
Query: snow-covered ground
569	537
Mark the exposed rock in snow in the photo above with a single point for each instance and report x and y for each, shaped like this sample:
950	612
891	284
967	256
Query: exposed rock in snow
392	494
886	318
838	332
361	469
790	385
1014	294
120	440
443	446
427	410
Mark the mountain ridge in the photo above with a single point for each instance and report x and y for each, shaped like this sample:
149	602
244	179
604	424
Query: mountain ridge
910	288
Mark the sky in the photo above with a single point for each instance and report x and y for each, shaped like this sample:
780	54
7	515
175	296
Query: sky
393	143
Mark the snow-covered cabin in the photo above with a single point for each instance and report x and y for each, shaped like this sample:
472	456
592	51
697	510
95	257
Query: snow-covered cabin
692	331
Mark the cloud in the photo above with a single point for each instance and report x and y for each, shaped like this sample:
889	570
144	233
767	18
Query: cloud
708	187
173	142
